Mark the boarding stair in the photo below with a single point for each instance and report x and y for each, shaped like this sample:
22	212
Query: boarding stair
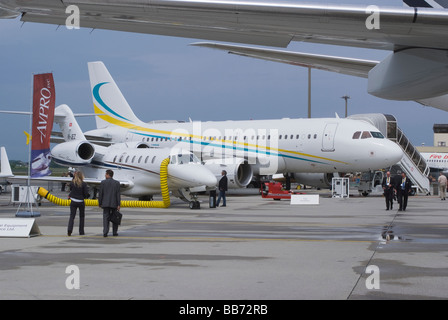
412	163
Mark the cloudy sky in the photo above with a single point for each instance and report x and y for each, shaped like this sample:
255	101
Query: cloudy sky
165	78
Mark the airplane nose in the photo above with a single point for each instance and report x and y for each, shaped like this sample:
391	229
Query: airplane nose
191	175
394	152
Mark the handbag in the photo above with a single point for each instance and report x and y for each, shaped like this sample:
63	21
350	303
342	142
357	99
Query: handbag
116	217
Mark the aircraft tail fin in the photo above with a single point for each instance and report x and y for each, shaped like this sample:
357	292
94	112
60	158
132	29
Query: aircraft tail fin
438	4
70	128
5	170
108	101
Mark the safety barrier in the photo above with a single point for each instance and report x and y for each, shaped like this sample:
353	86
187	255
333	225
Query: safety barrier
165	203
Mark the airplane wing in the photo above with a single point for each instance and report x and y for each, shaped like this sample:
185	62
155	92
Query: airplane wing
90	181
348	66
269	23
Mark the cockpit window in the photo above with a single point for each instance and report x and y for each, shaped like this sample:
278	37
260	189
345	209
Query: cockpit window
366	135
184	158
356	135
377	135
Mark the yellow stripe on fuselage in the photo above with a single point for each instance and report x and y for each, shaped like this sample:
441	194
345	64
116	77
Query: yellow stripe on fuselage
133	126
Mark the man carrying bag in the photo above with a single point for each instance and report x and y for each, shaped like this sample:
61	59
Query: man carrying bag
109	198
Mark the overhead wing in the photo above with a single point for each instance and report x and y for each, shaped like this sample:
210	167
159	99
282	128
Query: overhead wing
269	23
348	66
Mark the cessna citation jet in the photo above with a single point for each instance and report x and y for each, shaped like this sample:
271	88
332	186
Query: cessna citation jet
416	69
245	148
136	166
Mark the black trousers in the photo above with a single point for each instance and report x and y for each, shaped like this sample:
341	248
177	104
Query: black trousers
402	197
389	195
74	206
107	212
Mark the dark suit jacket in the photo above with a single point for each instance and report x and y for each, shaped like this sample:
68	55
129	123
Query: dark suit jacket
407	185
386	187
222	186
109	195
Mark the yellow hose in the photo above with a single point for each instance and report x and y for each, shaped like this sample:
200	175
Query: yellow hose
165	203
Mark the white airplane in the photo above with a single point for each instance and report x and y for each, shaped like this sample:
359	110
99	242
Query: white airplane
136	166
246	148
5	167
417	37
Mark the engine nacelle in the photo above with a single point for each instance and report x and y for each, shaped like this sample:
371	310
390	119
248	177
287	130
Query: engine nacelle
317	180
411	74
131	145
73	153
239	173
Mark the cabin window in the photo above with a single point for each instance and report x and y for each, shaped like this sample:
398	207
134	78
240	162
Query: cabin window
121	158
115	159
133	159
146	160
127	159
315	136
309	136
140	159
153	159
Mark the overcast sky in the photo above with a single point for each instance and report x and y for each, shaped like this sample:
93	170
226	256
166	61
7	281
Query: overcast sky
165	78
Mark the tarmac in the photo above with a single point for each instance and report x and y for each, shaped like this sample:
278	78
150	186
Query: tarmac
252	249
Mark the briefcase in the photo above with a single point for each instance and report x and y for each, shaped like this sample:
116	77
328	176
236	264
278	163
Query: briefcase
116	217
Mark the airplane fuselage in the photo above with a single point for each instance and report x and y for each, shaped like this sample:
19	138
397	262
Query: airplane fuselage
270	146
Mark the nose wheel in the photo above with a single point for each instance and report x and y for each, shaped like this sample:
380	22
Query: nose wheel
195	205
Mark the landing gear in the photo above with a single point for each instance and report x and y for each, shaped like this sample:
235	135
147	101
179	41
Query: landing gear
188	196
195	205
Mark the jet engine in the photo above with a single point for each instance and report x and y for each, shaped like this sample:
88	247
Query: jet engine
132	145
239	173
410	74
73	153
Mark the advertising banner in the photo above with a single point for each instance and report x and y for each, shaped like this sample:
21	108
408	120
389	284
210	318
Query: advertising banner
44	98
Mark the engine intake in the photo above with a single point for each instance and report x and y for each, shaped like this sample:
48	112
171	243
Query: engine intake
73	153
239	172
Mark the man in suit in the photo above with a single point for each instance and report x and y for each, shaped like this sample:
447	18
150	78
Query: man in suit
403	187
222	186
388	188
109	198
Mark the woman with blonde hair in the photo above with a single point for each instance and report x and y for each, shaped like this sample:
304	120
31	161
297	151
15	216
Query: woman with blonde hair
78	192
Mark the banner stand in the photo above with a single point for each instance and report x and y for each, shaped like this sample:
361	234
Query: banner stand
19	228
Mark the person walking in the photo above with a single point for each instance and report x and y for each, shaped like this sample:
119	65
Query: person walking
222	186
78	192
388	188
109	199
403	189
442	186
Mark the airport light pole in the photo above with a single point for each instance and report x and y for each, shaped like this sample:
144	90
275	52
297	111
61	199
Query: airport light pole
346	97
309	92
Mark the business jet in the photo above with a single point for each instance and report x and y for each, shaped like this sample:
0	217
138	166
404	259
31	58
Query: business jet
417	37
136	166
245	148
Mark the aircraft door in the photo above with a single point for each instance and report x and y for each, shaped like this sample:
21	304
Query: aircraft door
328	137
